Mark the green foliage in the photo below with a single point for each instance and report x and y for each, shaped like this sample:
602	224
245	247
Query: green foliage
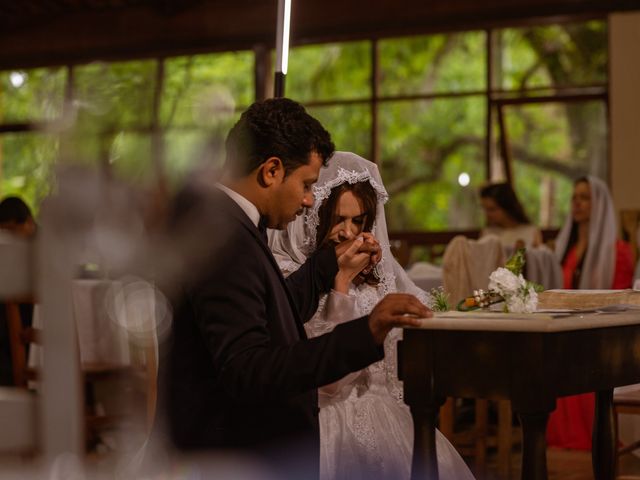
201	100
205	90
554	55
28	163
440	300
537	140
424	144
115	95
27	159
39	97
436	63
350	126
330	72
516	262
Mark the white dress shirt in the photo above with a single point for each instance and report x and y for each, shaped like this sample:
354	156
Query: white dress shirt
247	207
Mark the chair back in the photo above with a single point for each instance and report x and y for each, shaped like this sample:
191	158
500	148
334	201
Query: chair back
467	264
543	267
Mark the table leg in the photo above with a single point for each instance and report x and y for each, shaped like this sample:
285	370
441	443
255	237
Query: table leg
603	449
425	462
480	433
534	445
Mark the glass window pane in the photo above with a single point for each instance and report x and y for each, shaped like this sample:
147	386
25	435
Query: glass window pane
130	157
433	162
329	72
190	151
27	165
202	89
349	126
116	94
31	95
433	64
551	145
555	55
186	151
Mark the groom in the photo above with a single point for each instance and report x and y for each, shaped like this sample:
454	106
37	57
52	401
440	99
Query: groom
241	373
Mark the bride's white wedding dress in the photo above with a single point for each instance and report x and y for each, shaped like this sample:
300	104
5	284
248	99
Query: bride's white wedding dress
366	430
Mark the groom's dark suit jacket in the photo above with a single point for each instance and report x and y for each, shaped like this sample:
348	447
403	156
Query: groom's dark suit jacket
241	372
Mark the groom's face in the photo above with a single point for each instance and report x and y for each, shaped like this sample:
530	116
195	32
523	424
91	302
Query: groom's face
294	193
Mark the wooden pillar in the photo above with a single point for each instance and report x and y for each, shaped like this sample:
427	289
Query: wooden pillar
263	80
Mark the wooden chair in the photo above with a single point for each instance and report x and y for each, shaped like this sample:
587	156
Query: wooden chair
483	435
466	265
137	382
134	379
626	401
401	252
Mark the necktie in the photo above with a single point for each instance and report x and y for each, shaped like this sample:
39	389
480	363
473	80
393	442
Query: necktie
262	228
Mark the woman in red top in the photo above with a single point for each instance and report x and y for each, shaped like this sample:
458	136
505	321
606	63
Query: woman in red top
592	258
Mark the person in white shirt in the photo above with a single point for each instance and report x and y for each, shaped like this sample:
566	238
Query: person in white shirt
506	217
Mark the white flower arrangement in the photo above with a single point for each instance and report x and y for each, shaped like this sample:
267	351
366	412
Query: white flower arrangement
519	295
506	284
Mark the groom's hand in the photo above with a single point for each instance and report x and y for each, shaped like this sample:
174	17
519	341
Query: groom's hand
351	261
375	251
396	310
369	245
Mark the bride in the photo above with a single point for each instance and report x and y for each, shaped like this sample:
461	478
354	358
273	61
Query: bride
366	430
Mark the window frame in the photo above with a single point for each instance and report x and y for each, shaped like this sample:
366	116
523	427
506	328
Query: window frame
496	100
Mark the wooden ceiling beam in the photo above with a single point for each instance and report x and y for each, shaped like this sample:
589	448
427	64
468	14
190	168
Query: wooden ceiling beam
147	29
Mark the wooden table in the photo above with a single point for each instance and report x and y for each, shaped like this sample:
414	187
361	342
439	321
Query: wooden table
529	359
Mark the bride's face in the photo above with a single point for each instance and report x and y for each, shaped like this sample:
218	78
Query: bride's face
350	218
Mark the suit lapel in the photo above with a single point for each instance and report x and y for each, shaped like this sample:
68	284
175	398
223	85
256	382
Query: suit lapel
234	209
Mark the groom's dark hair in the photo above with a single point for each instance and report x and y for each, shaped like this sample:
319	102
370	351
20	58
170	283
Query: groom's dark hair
277	127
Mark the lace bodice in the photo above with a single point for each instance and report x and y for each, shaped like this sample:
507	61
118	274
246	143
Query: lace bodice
336	308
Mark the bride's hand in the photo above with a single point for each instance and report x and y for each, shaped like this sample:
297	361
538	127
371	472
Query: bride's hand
353	256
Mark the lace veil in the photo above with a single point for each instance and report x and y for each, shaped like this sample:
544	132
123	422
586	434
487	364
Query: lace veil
599	264
292	246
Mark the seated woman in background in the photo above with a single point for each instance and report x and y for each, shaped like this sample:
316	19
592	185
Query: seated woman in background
506	218
592	258
366	430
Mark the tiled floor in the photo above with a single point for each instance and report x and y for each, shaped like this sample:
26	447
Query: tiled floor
565	465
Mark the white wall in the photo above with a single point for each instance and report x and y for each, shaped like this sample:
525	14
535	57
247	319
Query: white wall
624	78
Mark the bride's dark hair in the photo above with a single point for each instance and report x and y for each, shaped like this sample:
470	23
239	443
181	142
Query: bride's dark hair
328	216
